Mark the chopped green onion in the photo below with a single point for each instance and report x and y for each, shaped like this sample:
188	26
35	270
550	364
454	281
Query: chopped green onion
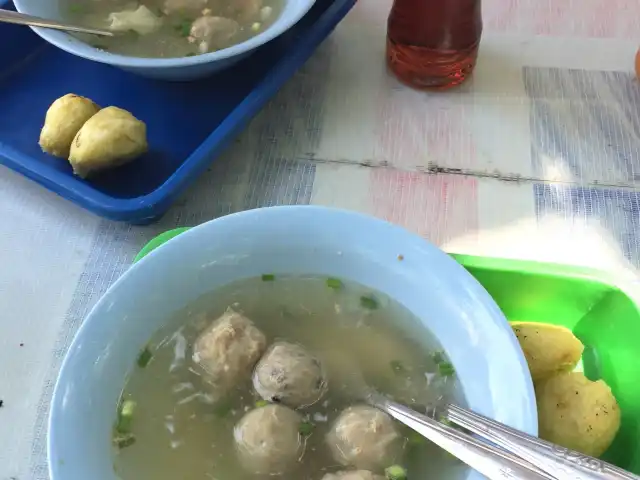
125	417
191	54
334	283
438	358
306	428
75	8
395	472
261	403
255	26
184	28
368	302
124	440
397	367
268	277
446	369
145	357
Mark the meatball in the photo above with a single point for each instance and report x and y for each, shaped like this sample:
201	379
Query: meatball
228	349
110	138
213	33
64	118
352	475
364	437
287	373
268	441
548	349
577	414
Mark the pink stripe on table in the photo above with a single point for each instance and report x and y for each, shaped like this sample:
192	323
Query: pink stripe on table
414	129
568	18
437	207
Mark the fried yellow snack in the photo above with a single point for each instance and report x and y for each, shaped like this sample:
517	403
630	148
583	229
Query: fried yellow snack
576	413
64	118
549	349
112	137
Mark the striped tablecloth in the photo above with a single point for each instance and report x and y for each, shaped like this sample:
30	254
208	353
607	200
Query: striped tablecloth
537	157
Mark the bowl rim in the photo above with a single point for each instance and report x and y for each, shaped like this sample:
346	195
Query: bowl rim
528	419
68	43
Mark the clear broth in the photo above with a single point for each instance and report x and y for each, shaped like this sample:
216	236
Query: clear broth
180	434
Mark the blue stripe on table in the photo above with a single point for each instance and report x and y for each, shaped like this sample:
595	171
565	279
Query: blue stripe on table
587	120
616	210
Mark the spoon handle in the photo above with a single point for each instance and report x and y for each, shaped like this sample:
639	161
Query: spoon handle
492	462
559	461
8	16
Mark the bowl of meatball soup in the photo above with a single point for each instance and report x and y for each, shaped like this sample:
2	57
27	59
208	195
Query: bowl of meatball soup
244	348
168	39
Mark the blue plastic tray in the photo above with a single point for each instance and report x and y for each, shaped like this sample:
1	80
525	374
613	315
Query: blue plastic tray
188	123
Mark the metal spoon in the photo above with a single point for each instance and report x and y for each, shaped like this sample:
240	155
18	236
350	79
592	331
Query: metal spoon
8	16
561	462
492	462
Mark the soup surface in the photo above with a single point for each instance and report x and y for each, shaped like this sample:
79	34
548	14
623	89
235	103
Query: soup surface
171	28
182	428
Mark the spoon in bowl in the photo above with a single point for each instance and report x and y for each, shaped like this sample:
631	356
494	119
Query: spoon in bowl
500	452
496	450
492	462
8	16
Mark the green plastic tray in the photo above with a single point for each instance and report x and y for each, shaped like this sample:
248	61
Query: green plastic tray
600	314
588	302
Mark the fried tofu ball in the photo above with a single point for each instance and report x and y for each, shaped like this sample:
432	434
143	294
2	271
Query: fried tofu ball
364	437
548	349
268	440
228	349
288	373
112	137
64	118
577	414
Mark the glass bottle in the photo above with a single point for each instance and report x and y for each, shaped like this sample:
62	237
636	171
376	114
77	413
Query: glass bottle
433	44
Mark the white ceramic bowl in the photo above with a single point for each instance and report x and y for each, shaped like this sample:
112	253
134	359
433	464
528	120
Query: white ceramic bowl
180	69
280	240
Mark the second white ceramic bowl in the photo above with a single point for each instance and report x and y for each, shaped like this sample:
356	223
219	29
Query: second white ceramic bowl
176	69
